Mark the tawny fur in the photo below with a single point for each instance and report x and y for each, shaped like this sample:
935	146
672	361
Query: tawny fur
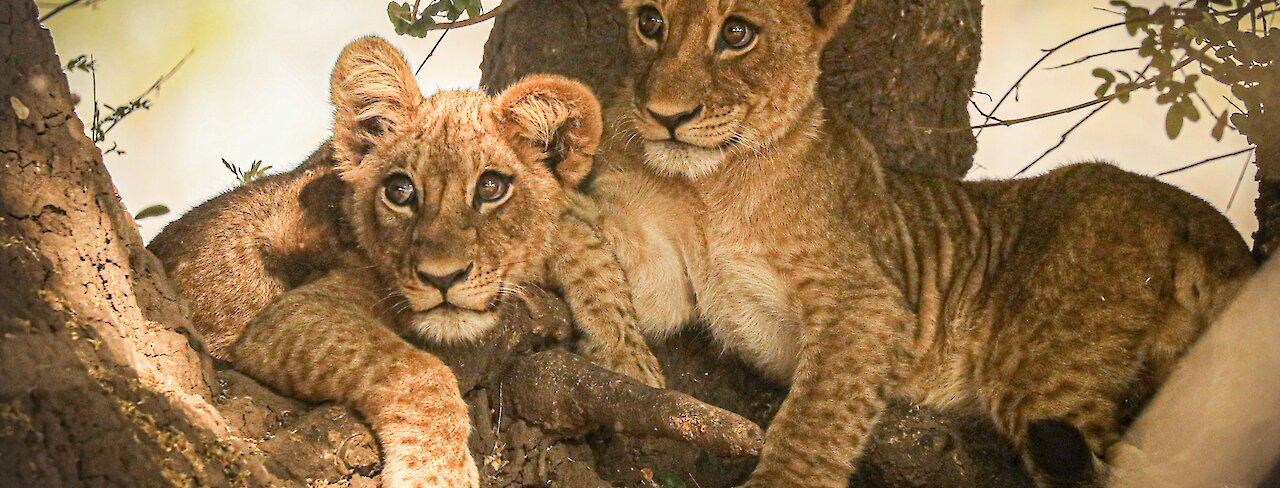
1067	297
310	280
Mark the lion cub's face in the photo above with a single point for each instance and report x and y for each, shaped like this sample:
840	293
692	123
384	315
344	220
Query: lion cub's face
718	78
455	197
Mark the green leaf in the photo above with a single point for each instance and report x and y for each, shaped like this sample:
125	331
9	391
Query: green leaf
420	27
1104	74
152	211
401	15
474	9
1173	122
1190	111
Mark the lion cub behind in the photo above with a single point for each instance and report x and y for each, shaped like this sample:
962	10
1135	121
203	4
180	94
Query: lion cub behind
414	221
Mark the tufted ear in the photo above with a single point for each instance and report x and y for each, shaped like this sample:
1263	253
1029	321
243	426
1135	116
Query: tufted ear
373	93
830	15
554	120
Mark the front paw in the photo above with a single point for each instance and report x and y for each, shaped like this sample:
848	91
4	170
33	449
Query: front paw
636	362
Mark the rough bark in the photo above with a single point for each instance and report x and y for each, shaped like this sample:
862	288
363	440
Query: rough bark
1264	132
98	381
103	382
897	71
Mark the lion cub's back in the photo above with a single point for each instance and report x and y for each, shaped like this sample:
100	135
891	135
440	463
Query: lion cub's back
234	253
1113	225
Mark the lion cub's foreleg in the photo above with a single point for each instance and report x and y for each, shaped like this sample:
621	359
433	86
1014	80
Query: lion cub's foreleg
597	291
324	342
837	391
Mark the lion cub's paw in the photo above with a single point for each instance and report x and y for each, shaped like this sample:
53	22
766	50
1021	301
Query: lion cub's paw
636	361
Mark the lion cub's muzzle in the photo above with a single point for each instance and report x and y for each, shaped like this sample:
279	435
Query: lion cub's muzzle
450	283
693	124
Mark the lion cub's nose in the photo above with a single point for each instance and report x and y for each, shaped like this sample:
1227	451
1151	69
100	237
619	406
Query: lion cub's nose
673	121
446	280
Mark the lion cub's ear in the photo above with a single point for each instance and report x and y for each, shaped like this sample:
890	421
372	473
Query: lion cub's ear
554	120
830	15
373	93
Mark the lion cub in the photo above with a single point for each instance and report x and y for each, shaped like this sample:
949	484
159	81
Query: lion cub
1055	305
414	221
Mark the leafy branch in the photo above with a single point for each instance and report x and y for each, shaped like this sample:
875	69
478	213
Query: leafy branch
1172	39
107	117
415	20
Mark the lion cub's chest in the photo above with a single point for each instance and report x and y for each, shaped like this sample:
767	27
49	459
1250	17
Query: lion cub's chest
748	303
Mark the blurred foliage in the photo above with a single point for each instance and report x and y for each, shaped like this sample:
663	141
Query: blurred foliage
409	20
1231	41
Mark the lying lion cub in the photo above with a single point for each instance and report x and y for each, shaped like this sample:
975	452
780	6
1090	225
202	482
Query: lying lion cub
414	221
1055	305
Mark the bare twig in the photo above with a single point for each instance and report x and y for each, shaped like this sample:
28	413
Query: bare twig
1062	139
1206	161
1091	56
1025	74
1147	84
57	10
494	12
1243	169
431	53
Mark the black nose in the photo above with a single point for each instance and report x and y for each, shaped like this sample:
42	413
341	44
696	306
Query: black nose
444	282
673	122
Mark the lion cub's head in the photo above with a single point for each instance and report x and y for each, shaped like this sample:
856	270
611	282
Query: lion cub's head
715	78
455	197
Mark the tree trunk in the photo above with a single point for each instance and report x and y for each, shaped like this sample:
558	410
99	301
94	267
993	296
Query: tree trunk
898	71
1264	132
98	381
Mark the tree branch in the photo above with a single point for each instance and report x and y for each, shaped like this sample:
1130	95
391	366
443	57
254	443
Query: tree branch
494	12
1147	84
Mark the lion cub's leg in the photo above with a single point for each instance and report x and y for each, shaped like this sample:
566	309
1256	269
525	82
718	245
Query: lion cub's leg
1055	384
323	342
597	291
837	391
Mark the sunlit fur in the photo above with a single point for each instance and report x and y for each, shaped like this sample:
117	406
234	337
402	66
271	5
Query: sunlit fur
686	68
308	281
445	146
1061	299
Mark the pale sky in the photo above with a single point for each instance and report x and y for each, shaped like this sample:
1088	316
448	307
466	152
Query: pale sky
256	88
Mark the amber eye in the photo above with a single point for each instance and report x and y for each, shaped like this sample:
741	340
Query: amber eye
737	33
399	190
492	186
650	22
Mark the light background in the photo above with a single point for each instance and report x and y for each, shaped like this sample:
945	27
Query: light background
256	86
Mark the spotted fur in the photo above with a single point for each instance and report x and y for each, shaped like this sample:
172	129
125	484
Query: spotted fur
311	280
1057	303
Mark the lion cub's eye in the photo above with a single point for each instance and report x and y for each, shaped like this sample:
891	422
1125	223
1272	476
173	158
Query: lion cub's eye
399	190
650	22
492	186
737	33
